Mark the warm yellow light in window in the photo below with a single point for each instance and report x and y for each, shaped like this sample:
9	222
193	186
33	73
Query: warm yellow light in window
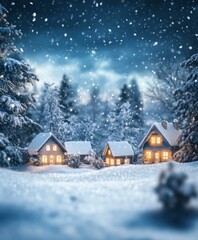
126	161
158	140
165	155
148	154
109	152
47	147
112	161
153	140
107	160
118	161
54	147
59	159
44	159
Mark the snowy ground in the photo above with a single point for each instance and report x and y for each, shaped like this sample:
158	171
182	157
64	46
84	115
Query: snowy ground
57	202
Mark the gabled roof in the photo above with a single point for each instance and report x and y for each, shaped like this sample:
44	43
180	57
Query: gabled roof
171	134
37	143
120	149
78	147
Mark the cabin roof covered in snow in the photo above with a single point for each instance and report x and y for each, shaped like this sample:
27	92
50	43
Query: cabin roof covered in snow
37	143
120	149
78	147
171	134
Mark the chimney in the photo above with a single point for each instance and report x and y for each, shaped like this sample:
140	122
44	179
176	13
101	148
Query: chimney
164	124
176	124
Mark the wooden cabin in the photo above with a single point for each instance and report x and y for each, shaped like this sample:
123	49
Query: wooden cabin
47	148
160	142
81	148
118	153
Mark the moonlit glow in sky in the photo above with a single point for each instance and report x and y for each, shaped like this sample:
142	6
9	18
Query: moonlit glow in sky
103	42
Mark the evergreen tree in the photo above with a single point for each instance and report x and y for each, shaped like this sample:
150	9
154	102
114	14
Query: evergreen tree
124	94
187	112
132	95
15	100
120	126
81	129
67	97
135	100
53	118
9	155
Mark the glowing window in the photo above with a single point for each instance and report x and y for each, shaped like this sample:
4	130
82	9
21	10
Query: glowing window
47	147
44	159
59	159
54	148
126	160
109	152
158	140
148	154
112	161
152	140
165	155
107	160
118	161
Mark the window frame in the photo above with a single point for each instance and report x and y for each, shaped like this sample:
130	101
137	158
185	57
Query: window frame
54	147
59	158
48	147
44	159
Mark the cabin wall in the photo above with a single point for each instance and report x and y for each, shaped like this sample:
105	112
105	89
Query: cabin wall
51	156
155	153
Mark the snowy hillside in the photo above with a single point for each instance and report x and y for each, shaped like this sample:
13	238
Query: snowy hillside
57	202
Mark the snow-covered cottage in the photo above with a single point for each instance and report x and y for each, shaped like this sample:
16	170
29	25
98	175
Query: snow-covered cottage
81	148
161	142
117	153
48	149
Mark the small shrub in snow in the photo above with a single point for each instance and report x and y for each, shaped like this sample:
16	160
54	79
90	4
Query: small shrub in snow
98	163
90	159
173	190
74	161
34	161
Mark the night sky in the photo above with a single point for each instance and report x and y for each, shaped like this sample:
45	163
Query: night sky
104	42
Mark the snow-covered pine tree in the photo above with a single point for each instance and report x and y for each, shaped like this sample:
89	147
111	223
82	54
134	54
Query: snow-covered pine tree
187	112
81	129
113	125
9	155
15	75
121	127
131	93
53	117
136	102
67	97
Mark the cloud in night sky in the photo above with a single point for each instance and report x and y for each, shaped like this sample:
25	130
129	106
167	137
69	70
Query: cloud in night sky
104	42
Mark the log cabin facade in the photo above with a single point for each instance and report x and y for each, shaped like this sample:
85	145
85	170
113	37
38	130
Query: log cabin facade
47	149
118	153
161	142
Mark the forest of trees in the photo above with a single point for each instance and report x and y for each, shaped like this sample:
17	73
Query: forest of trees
58	109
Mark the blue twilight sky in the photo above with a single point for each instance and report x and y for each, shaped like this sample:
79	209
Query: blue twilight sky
105	42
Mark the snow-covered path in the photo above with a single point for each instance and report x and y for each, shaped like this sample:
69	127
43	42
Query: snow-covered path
57	202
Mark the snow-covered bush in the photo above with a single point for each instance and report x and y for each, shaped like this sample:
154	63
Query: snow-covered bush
9	155
98	163
173	190
90	159
34	160
74	161
140	158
